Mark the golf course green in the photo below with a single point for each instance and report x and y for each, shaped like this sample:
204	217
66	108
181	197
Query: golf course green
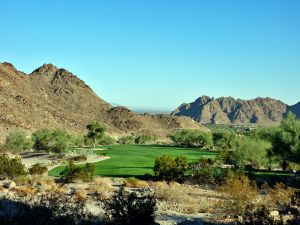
137	160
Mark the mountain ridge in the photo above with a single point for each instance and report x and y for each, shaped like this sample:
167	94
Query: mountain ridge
54	98
228	110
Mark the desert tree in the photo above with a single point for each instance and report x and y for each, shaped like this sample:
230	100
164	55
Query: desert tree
18	141
95	132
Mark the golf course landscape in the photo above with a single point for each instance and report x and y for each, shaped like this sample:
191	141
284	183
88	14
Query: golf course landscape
137	160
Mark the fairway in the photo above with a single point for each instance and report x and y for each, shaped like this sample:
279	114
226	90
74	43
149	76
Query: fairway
137	160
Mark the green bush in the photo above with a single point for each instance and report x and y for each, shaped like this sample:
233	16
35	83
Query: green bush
285	140
169	169
192	138
223	139
144	139
72	172
18	141
225	157
11	168
78	141
107	140
52	141
37	169
205	172
126	208
126	140
251	151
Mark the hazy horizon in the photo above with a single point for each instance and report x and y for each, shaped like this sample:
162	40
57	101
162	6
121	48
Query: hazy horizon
159	54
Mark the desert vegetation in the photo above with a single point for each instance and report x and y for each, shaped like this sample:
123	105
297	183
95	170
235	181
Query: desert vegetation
250	177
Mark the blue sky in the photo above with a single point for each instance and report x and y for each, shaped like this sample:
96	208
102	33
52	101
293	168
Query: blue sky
160	53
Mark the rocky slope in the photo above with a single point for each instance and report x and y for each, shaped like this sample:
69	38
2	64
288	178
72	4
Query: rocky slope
226	110
50	97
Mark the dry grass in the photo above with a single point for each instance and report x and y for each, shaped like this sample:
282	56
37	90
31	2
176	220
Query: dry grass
176	197
242	196
80	194
101	188
36	180
135	183
25	191
22	180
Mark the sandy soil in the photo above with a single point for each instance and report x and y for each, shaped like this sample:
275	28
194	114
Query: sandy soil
28	162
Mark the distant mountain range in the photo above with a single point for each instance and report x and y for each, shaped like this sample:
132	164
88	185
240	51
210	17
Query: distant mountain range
142	110
52	97
227	110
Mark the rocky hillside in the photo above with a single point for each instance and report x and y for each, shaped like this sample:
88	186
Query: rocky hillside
227	110
50	97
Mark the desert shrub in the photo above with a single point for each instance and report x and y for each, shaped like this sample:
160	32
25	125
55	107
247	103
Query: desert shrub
225	157
42	139
135	183
52	141
35	181
88	141
37	169
25	191
101	188
62	141
79	158
278	197
80	194
133	208
223	139
189	138
72	172
175	194
47	209
126	140
144	139
241	196
18	141
11	168
42	181
205	172
251	151
169	169
107	140
22	180
263	216
203	162
78	140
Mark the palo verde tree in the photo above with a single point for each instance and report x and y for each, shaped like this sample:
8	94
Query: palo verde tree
95	132
285	140
18	141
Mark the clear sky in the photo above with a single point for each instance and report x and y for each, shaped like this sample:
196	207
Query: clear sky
160	53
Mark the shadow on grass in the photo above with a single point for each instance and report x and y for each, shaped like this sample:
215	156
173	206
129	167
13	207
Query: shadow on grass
272	177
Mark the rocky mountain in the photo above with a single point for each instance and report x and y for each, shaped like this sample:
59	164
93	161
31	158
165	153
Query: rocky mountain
51	97
226	110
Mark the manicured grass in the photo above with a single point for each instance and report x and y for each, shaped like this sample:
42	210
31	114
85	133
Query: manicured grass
137	160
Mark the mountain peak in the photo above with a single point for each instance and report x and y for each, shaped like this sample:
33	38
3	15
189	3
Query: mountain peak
46	69
8	66
203	99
